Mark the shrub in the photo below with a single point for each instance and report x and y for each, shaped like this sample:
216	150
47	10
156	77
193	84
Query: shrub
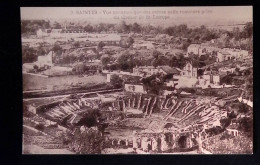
116	81
189	90
226	135
214	130
88	142
225	122
246	125
40	127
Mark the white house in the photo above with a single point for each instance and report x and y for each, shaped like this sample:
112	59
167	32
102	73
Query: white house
223	56
27	67
42	61
144	71
45	60
233	132
193	48
137	88
43	32
186	82
226	69
55	33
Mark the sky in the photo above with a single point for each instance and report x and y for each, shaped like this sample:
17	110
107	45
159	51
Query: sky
151	15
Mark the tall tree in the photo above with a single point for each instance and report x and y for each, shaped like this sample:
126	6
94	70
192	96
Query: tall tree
116	81
136	28
248	29
100	46
105	59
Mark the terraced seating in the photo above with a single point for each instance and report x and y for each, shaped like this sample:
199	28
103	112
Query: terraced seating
189	104
57	111
179	113
173	110
152	108
192	112
179	110
71	106
67	110
75	105
147	107
51	117
182	112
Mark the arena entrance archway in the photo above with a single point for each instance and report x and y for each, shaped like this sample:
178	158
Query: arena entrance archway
182	142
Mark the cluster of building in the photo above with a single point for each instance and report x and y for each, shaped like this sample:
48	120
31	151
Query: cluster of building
201	49
146	71
186	77
222	54
228	54
44	61
108	38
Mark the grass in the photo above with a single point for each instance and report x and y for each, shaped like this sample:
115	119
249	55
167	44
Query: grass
35	149
31	82
234	145
40	101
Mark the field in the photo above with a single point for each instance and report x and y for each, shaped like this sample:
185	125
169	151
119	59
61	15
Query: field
34	149
32	82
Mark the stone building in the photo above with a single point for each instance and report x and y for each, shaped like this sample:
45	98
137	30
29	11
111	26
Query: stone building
164	141
189	71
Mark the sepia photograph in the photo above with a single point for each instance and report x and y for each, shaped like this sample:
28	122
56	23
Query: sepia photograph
137	80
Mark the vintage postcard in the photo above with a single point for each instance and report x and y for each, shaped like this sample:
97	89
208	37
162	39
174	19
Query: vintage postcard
137	80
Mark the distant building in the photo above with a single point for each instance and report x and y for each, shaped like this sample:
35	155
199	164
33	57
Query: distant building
201	49
43	32
189	71
137	88
168	70
228	54
42	62
145	71
49	32
144	45
209	80
233	132
227	69
55	32
28	67
119	73
214	79
45	60
193	48
107	38
223	56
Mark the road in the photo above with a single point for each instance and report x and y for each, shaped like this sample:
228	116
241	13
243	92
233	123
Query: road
67	95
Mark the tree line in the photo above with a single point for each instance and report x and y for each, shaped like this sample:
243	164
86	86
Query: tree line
182	30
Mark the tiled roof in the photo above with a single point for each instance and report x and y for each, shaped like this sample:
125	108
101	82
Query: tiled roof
170	70
194	45
146	67
224	53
